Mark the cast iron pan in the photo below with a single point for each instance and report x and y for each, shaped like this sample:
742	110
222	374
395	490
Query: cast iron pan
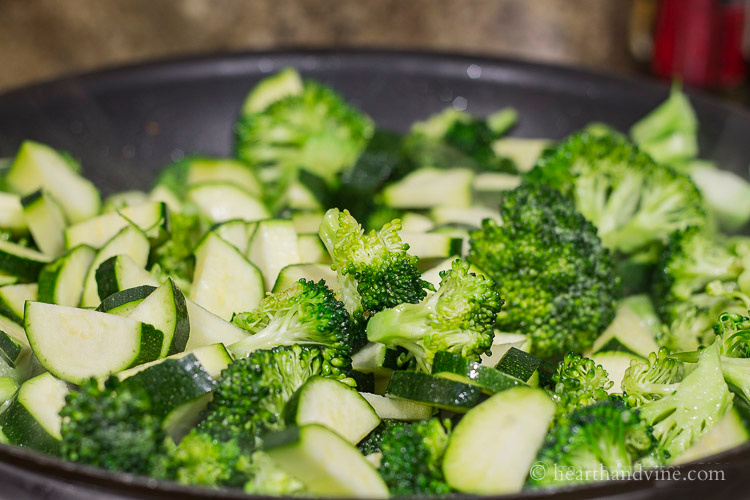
125	124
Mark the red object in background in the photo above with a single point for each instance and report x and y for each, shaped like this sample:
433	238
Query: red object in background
700	42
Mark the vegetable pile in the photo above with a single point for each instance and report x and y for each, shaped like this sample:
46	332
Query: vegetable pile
341	310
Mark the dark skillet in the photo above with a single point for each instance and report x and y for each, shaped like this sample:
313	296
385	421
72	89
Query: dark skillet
125	124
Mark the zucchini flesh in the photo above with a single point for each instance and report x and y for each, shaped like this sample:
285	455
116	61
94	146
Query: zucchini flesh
150	217
494	445
434	391
124	302
334	405
11	213
14	346
166	310
312	250
131	242
489	379
274	246
61	282
292	273
225	282
324	462
205	170
13	299
417	189
120	273
206	328
222	202
76	344
397	409
46	222
236	232
33	417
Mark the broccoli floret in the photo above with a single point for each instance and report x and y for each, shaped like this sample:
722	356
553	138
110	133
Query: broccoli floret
111	427
701	399
174	257
458	318
200	459
557	279
253	391
305	313
651	379
455	139
412	456
375	272
692	259
733	334
599	441
634	202
315	130
371	443
578	382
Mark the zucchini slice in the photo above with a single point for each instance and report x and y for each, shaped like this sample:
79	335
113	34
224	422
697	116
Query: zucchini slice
502	343
20	261
166	310
206	328
518	364
150	217
13	299
14	346
434	391
203	170
285	83
225	282
432	245
326	464
311	249
628	332
377	358
468	216
220	201
8	388
417	189
493	446
120	273
180	389
130	241
397	409
306	222
122	303
61	282
38	166
213	358
274	246
33	418
11	213
489	379
76	344
236	232
46	222
292	273
332	404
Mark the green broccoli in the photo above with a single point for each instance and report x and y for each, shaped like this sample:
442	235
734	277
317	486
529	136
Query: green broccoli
112	427
692	259
412	455
174	257
375	272
633	202
455	139
733	334
202	460
458	318
700	400
578	382
651	379
594	442
253	391
371	443
314	129
557	279
305	313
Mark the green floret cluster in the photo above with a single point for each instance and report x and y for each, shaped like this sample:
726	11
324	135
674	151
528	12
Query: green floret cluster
578	382
556	278
693	259
375	270
458	318
602	440
307	313
111	427
412	453
634	202
651	379
253	391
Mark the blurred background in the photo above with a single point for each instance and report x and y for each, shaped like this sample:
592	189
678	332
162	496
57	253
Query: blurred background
702	41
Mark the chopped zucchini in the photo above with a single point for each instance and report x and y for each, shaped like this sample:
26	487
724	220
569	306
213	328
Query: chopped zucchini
518	364
46	222
398	409
628	332
150	217
315	272
435	391
37	166
11	213
324	462
420	189
524	152
312	250
125	301
432	245
76	344
61	282
377	358
120	273
330	403
236	232
206	328
489	379
469	216
20	261
492	448
13	299
274	246
166	310
220	201
306	222
225	282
